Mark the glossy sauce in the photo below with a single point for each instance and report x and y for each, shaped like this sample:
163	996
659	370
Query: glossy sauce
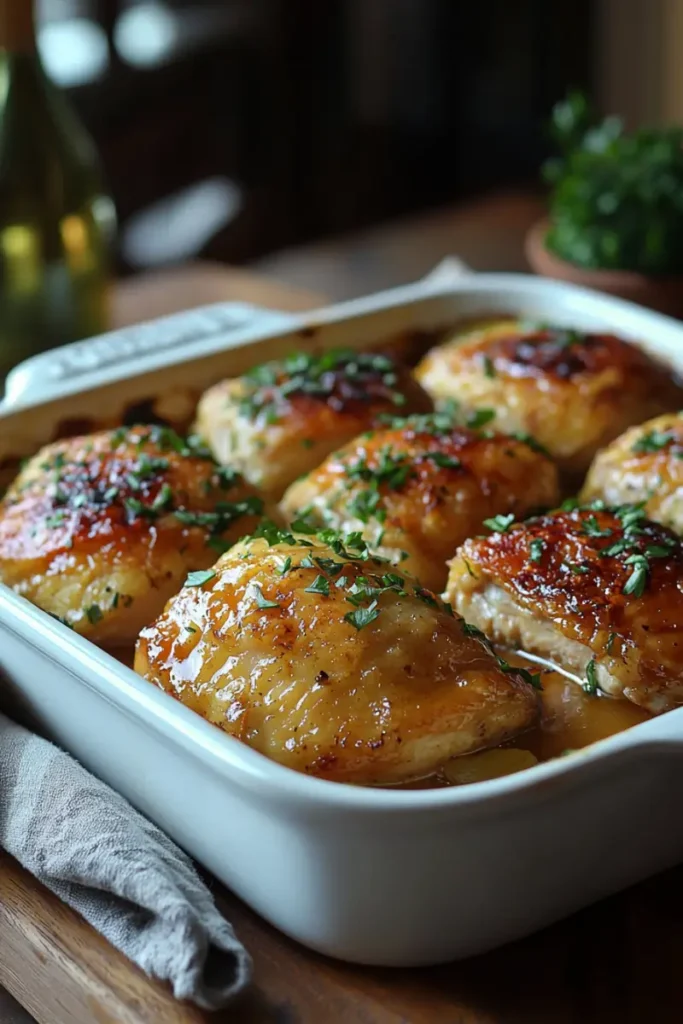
570	720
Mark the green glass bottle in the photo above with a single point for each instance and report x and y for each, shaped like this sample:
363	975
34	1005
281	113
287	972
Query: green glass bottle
56	221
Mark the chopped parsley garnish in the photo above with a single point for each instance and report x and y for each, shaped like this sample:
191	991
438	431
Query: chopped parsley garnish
591	684
570	504
286	565
168	440
163	499
470	630
366	505
637	581
268	387
480	417
362	617
536	548
653	441
138	508
94	614
302	524
392	469
226	477
56	519
118	436
273	534
199	577
500	523
489	368
261	601
329	565
591	528
444	461
530	441
320	585
531	678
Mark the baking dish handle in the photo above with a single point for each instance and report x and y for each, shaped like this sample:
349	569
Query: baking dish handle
205	329
88	362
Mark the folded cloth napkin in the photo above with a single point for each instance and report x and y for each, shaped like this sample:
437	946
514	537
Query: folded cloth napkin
120	872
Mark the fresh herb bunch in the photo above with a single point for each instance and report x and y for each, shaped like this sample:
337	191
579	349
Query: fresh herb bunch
617	197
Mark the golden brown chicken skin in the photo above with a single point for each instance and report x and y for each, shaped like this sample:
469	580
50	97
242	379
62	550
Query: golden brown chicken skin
280	420
573	391
643	465
331	665
417	491
101	530
599	593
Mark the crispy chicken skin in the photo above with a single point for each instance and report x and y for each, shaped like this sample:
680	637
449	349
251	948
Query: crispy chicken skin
281	420
101	530
325	663
643	465
574	392
422	488
597	592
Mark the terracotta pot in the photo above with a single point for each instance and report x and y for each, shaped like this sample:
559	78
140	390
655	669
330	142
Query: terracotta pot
665	294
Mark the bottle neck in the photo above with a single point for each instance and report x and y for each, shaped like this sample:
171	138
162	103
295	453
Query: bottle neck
17	26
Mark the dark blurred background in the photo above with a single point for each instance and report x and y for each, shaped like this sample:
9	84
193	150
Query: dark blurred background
232	129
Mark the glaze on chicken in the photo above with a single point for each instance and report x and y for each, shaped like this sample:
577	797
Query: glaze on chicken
573	391
282	419
331	663
643	465
597	592
417	490
101	530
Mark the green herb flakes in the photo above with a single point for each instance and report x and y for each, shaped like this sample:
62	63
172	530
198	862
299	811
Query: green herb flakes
591	684
200	577
500	523
362	617
94	614
261	601
536	548
489	368
320	585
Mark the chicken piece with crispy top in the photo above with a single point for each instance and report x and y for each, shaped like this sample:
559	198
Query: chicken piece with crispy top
326	661
417	490
571	390
282	419
101	530
644	465
597	592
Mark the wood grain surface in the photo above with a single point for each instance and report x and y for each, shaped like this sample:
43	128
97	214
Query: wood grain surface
619	961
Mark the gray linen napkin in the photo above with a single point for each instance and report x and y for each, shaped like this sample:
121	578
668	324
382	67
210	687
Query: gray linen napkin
120	872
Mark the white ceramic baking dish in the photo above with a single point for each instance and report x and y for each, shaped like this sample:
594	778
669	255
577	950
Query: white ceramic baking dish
375	876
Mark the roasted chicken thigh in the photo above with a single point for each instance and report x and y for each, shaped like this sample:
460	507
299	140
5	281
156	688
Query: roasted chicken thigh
643	465
597	592
417	490
101	530
573	391
281	419
332	664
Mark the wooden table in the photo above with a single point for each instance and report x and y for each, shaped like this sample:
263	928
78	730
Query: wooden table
617	961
